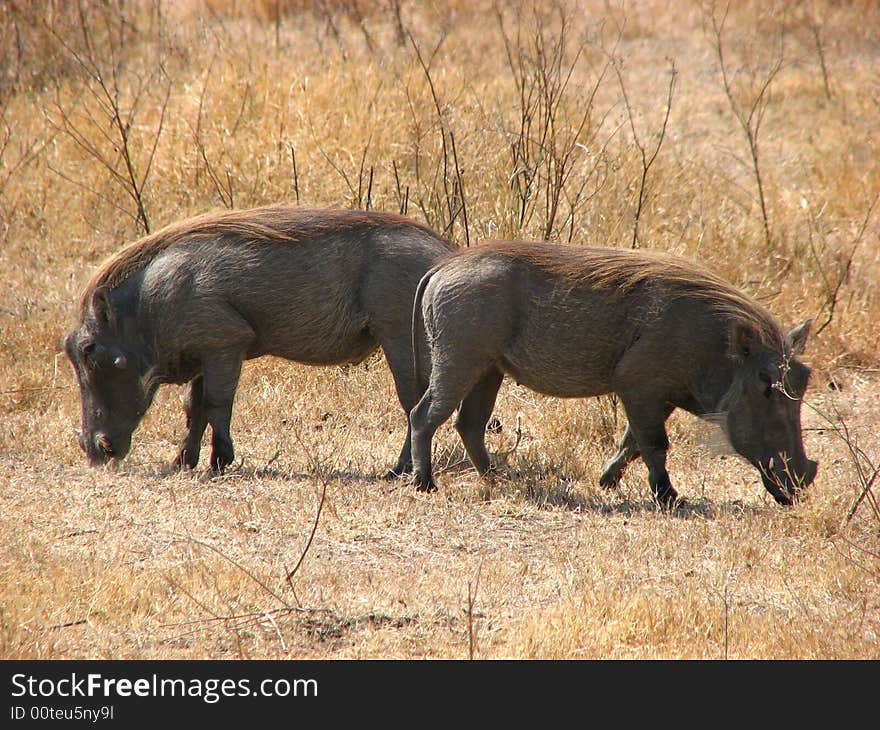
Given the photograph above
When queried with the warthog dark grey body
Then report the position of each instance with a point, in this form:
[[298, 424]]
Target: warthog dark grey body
[[660, 332], [189, 303]]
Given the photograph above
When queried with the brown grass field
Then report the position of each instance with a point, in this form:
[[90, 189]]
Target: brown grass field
[[532, 121]]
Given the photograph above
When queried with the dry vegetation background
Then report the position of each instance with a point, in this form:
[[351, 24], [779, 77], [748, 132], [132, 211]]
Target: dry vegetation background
[[744, 135]]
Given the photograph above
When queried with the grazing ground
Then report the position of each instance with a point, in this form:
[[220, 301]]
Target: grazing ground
[[740, 135]]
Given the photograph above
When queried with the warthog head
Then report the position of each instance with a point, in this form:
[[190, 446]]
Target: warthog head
[[111, 385], [762, 411]]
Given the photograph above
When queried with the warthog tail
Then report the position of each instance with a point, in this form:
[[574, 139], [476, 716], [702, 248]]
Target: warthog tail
[[418, 332]]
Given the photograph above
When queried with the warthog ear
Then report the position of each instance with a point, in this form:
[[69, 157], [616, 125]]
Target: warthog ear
[[741, 342], [797, 338], [101, 308]]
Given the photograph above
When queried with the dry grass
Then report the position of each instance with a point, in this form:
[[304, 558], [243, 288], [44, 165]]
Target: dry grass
[[136, 562]]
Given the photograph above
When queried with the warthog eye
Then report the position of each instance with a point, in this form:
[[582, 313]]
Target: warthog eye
[[88, 351]]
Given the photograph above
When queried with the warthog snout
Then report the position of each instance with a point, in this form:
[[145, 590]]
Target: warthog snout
[[100, 448], [784, 481]]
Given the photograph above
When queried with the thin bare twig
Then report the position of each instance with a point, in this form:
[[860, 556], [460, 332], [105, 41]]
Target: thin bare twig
[[112, 123], [238, 565], [518, 433], [450, 195], [867, 471], [247, 615], [820, 52], [360, 191], [750, 115], [460, 185], [646, 159], [295, 174], [271, 620], [36, 389], [292, 572], [546, 148], [68, 624], [402, 197], [472, 599], [844, 275]]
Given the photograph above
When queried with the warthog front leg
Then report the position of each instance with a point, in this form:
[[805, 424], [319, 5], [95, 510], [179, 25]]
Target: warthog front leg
[[473, 416], [658, 477], [196, 423], [627, 453], [647, 423]]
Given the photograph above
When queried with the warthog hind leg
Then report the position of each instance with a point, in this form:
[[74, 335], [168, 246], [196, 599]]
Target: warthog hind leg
[[447, 389], [473, 416], [627, 453], [399, 356], [425, 419]]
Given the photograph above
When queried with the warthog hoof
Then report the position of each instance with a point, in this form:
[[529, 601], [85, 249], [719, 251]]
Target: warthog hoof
[[610, 478], [220, 459], [397, 472], [424, 484], [184, 461], [666, 497]]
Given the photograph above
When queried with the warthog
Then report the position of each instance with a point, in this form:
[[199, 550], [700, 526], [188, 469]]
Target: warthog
[[659, 331], [189, 303]]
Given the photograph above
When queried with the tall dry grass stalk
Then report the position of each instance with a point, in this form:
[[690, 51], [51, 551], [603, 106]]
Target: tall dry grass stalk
[[533, 120]]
